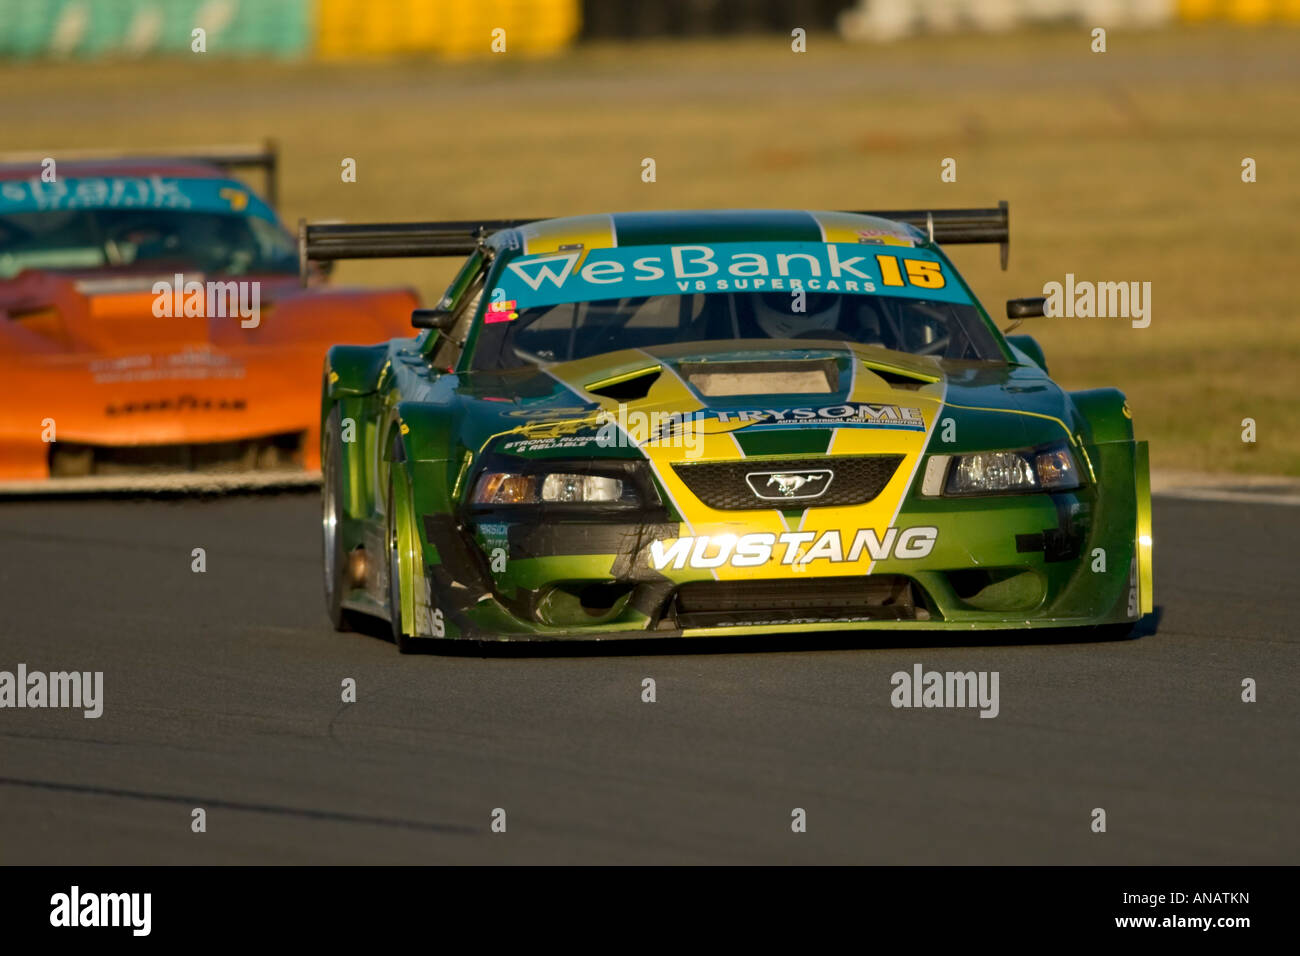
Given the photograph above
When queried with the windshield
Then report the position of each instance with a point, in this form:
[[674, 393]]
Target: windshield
[[223, 243], [555, 307], [558, 333]]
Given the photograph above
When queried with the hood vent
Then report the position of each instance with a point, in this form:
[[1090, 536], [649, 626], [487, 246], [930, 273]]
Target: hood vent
[[736, 379], [897, 378], [127, 285], [628, 387]]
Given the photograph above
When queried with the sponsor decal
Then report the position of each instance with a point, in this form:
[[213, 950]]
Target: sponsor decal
[[549, 413], [780, 485], [503, 311], [182, 403], [633, 271], [887, 237], [130, 192], [494, 535], [525, 446], [429, 619], [849, 414], [628, 428], [237, 198], [187, 364], [796, 548]]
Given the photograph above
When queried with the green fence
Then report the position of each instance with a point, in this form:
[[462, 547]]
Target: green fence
[[126, 28]]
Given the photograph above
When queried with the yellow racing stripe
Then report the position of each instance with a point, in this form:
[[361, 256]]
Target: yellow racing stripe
[[847, 227], [587, 232]]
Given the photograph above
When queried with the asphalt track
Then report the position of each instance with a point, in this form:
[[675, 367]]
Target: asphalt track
[[223, 691]]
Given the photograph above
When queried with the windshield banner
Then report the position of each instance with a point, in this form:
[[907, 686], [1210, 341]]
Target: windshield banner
[[131, 192], [641, 271]]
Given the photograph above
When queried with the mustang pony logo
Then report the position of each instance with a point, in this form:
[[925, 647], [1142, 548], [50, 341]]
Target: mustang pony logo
[[789, 484]]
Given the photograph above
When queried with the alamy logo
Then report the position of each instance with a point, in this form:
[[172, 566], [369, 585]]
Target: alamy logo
[[215, 300], [74, 908], [73, 689], [946, 689], [1103, 300], [634, 428]]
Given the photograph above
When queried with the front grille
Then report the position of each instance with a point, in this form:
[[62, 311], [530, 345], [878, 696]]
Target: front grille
[[876, 597], [854, 480], [271, 453]]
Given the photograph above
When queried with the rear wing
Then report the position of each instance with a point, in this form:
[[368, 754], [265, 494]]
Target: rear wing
[[264, 157], [959, 226], [328, 241]]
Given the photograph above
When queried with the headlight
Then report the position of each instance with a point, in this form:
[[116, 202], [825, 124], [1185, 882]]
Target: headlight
[[1056, 469], [507, 488], [1047, 469]]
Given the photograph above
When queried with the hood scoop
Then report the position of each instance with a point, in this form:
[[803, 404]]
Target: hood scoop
[[735, 379]]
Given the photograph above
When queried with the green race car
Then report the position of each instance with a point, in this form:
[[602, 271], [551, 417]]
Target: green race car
[[703, 423]]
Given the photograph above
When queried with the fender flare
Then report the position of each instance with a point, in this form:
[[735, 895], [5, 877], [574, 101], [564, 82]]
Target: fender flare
[[1106, 412]]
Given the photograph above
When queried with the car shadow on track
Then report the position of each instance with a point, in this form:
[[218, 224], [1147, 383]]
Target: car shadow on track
[[776, 643], [210, 802]]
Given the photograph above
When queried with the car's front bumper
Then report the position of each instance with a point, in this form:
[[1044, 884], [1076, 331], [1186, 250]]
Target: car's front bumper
[[1080, 558]]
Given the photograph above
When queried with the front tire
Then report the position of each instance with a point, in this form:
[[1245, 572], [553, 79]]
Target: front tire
[[333, 558], [405, 643]]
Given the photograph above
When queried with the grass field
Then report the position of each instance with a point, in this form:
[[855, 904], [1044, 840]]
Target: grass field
[[1118, 166]]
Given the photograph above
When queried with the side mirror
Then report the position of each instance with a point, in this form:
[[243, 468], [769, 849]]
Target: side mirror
[[1027, 308], [440, 319]]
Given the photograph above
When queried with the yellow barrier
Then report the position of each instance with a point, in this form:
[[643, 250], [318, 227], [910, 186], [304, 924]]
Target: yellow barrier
[[454, 29], [1240, 11]]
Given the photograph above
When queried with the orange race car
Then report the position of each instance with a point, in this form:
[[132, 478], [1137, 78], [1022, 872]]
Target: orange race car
[[153, 329]]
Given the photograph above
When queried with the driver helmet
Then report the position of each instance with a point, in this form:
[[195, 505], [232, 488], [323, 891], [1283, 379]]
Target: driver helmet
[[774, 312]]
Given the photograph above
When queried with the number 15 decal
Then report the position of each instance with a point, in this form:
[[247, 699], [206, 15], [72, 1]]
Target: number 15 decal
[[921, 273]]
